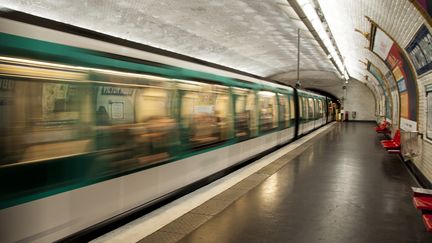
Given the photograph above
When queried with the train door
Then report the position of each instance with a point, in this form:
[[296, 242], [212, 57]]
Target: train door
[[44, 116], [323, 112], [319, 108], [291, 110], [284, 118], [284, 115], [245, 113], [306, 115], [206, 114], [316, 114], [310, 114], [302, 114], [268, 111]]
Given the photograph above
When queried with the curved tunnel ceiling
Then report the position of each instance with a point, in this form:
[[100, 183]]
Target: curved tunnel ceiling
[[258, 37], [399, 18], [255, 36]]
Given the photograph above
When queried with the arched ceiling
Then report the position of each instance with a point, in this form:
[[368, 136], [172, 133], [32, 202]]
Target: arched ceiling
[[399, 18], [255, 36]]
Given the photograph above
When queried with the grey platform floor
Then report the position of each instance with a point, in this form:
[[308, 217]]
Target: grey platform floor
[[339, 187]]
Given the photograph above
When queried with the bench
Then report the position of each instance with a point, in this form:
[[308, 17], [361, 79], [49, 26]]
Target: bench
[[422, 200], [383, 127], [427, 220], [423, 203], [393, 143]]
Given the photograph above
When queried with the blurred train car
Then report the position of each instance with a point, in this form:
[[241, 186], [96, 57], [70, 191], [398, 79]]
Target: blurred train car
[[92, 130]]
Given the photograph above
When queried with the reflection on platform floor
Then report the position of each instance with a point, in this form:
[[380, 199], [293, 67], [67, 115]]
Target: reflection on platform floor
[[344, 188]]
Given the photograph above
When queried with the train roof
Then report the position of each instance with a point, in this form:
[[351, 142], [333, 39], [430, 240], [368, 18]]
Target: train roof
[[52, 38], [310, 93]]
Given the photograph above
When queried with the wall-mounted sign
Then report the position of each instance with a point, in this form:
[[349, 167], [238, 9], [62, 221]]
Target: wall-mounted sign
[[420, 50], [395, 59], [117, 110], [111, 90]]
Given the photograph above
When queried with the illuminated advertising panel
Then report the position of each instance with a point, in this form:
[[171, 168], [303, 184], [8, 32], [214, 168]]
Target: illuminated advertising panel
[[395, 59]]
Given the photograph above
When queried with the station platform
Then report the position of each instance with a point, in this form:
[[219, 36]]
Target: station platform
[[337, 185]]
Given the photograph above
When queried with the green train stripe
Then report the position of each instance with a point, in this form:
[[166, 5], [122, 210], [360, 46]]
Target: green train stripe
[[62, 175], [23, 47]]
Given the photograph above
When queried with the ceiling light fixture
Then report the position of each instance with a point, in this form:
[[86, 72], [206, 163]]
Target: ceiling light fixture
[[312, 16]]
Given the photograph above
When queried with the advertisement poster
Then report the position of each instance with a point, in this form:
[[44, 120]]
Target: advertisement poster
[[115, 105], [397, 62], [384, 87], [420, 50], [117, 110]]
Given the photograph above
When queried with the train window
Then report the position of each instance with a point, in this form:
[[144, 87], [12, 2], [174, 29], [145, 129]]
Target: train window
[[320, 109], [245, 113], [135, 121], [251, 107], [315, 102], [54, 121], [292, 110], [311, 109], [304, 106], [284, 111], [300, 104], [114, 105], [301, 110], [155, 132], [268, 113], [206, 114]]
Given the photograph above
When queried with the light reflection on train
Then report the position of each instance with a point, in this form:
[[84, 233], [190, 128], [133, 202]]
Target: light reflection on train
[[134, 125], [75, 135], [118, 126]]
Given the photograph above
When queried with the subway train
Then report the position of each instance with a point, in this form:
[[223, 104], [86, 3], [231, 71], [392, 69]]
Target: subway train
[[94, 127]]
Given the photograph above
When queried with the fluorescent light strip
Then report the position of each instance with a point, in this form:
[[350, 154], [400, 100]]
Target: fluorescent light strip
[[313, 18], [78, 68], [266, 93]]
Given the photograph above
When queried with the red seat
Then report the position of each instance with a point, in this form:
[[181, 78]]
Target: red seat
[[392, 146], [423, 200], [382, 127], [393, 143], [389, 142], [423, 203], [421, 192], [396, 138], [427, 219]]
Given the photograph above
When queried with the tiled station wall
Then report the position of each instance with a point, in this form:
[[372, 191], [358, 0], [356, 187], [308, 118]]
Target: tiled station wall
[[424, 161], [410, 25], [359, 98]]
